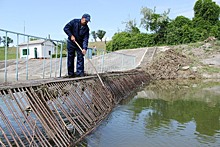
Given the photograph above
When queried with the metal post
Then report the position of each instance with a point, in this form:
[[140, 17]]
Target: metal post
[[27, 58], [51, 60], [96, 64], [56, 47], [6, 53], [17, 52], [44, 48], [86, 66], [61, 51], [102, 65]]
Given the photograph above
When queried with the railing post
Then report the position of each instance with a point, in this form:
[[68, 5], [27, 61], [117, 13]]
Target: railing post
[[56, 47], [6, 54], [102, 64], [51, 59], [43, 50], [17, 52], [61, 51], [27, 58]]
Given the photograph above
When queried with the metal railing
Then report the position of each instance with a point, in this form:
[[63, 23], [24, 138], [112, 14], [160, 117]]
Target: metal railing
[[58, 45], [16, 67], [109, 62]]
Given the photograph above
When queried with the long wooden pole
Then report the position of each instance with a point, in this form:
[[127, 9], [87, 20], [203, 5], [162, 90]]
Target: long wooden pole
[[92, 65]]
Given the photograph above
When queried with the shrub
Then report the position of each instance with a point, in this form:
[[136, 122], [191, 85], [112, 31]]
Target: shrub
[[58, 55]]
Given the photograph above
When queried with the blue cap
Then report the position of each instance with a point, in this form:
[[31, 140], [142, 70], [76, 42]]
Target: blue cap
[[86, 16]]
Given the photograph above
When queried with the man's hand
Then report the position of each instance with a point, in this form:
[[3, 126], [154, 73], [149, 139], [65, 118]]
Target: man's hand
[[83, 51], [73, 38]]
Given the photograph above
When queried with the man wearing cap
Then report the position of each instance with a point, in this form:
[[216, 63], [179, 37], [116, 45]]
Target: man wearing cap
[[77, 30]]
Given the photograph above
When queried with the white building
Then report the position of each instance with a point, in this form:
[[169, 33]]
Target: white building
[[37, 49]]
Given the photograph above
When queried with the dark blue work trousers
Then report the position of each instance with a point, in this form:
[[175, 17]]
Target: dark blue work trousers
[[71, 49]]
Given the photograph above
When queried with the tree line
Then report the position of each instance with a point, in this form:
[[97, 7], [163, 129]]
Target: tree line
[[161, 30], [164, 31]]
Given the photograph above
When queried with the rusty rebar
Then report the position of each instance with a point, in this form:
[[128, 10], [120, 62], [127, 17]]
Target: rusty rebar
[[45, 113]]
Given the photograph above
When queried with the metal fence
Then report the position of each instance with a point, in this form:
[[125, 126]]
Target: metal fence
[[17, 63], [109, 61], [29, 62]]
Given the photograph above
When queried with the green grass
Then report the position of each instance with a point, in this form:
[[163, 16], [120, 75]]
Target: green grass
[[195, 45], [11, 53], [98, 44], [210, 69]]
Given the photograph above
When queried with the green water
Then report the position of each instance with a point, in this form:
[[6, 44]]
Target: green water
[[164, 114]]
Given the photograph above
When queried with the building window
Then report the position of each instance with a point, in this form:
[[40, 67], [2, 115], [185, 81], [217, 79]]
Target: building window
[[49, 52], [25, 51]]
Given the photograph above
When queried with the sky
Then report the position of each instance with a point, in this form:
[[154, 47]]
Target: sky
[[48, 17]]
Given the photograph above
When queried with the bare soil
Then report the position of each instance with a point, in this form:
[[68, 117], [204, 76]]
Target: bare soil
[[170, 65], [201, 60]]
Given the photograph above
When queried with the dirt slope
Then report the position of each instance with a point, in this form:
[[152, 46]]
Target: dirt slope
[[170, 65], [200, 60]]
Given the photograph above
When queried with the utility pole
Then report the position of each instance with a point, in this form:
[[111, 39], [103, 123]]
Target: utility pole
[[24, 31]]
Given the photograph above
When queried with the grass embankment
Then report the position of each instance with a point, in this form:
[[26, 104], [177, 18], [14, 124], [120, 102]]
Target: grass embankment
[[98, 44], [11, 53]]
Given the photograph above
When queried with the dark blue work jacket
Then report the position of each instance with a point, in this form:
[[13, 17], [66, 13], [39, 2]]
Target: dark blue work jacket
[[81, 33]]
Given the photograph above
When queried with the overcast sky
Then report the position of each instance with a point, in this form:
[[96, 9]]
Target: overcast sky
[[43, 17]]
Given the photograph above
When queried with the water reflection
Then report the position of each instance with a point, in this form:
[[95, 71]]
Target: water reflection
[[183, 102], [165, 113]]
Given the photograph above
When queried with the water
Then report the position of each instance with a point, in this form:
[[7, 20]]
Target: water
[[165, 113]]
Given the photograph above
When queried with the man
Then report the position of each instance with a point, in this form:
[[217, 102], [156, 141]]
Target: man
[[77, 31]]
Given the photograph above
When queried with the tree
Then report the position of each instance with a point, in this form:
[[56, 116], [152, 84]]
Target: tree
[[0, 40], [127, 40], [215, 31], [156, 23], [94, 35], [32, 39], [9, 40], [179, 31], [152, 21], [206, 19], [100, 34], [131, 26], [180, 21], [207, 10]]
